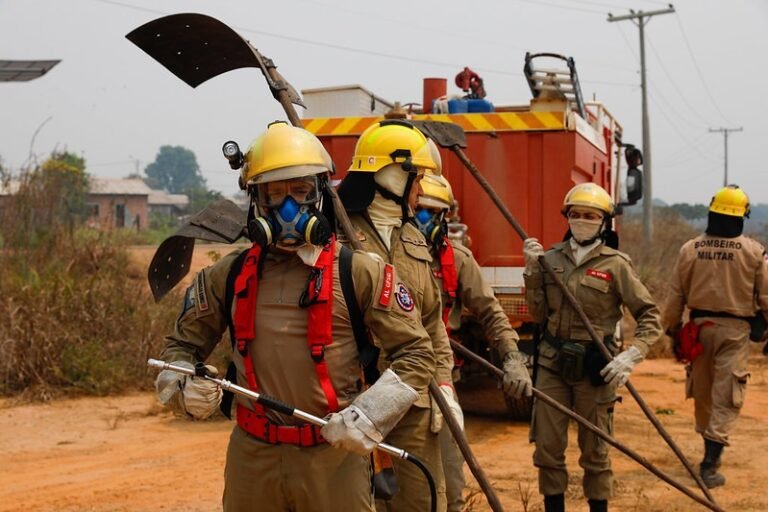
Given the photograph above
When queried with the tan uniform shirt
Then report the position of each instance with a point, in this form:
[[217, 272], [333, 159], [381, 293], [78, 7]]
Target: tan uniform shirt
[[410, 255], [603, 281], [727, 275], [281, 358], [476, 295]]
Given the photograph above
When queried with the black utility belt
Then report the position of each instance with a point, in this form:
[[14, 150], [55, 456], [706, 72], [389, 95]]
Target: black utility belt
[[758, 325], [579, 359], [559, 342]]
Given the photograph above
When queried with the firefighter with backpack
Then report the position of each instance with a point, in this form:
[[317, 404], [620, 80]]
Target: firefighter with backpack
[[285, 302], [463, 287], [380, 192], [721, 276]]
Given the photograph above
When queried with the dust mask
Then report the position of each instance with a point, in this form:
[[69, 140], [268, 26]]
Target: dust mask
[[584, 230]]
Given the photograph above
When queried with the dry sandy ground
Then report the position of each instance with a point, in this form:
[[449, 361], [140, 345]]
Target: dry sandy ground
[[124, 453]]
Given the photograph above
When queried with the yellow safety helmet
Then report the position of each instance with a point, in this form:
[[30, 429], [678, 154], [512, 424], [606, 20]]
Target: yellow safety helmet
[[436, 192], [730, 200], [284, 152], [434, 152], [591, 195], [391, 141]]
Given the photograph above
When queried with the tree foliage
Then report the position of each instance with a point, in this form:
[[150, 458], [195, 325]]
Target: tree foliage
[[691, 211], [200, 197], [50, 199], [175, 169]]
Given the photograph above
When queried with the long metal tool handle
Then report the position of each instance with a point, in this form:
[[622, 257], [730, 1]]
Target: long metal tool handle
[[466, 451], [582, 315], [266, 400], [465, 352]]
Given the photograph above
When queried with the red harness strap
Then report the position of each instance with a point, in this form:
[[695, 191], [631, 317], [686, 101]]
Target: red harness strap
[[319, 334], [450, 280]]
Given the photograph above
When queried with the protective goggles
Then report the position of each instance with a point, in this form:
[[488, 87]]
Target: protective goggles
[[304, 191]]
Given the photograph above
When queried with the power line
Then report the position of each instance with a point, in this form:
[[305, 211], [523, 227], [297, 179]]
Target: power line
[[698, 70], [450, 65], [560, 6], [434, 28], [674, 84], [671, 123]]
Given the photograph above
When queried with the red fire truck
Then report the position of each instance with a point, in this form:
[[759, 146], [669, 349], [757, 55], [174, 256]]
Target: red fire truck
[[532, 154]]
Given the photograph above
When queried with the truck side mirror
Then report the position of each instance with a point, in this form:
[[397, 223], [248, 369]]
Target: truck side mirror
[[633, 156], [634, 185]]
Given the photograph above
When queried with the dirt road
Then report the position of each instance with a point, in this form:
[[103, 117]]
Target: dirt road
[[126, 454]]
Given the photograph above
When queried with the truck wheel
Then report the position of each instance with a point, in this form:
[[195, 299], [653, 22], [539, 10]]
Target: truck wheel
[[519, 409]]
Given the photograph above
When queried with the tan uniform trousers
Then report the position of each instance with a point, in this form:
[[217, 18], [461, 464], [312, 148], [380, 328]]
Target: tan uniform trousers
[[549, 430], [453, 464], [262, 477], [717, 379], [413, 435]]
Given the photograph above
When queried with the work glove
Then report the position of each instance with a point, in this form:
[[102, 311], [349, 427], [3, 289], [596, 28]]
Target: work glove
[[371, 416], [617, 371], [194, 396], [436, 420], [517, 381], [532, 249]]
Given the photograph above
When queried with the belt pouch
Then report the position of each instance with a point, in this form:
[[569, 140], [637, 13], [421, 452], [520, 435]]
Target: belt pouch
[[572, 360]]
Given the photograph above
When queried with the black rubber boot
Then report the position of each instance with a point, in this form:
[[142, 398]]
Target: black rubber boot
[[554, 503], [708, 468], [598, 505]]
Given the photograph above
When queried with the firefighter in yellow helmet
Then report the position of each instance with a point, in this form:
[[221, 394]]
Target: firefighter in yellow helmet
[[380, 192], [721, 276], [286, 306], [570, 367], [463, 287]]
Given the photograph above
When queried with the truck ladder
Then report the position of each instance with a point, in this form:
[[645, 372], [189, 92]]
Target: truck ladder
[[558, 83]]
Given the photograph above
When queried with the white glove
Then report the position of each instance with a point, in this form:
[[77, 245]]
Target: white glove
[[532, 249], [617, 371], [371, 416], [194, 396], [517, 380], [436, 421]]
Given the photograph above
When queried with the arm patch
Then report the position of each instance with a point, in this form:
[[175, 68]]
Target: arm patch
[[201, 295]]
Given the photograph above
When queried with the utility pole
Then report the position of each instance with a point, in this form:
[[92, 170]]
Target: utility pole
[[641, 19], [725, 132]]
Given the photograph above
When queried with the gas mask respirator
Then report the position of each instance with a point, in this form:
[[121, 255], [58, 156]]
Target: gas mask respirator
[[431, 225], [290, 224]]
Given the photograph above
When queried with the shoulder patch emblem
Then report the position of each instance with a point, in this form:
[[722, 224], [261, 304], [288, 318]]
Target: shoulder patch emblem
[[189, 300], [202, 298], [386, 288], [605, 276], [403, 296]]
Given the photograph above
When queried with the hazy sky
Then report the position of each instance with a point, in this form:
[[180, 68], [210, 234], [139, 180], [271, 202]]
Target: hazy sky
[[112, 104]]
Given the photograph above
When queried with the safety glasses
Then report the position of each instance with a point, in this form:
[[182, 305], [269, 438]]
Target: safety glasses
[[304, 190]]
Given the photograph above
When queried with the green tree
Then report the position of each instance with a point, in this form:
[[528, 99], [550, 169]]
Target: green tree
[[51, 200], [200, 197], [175, 169]]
